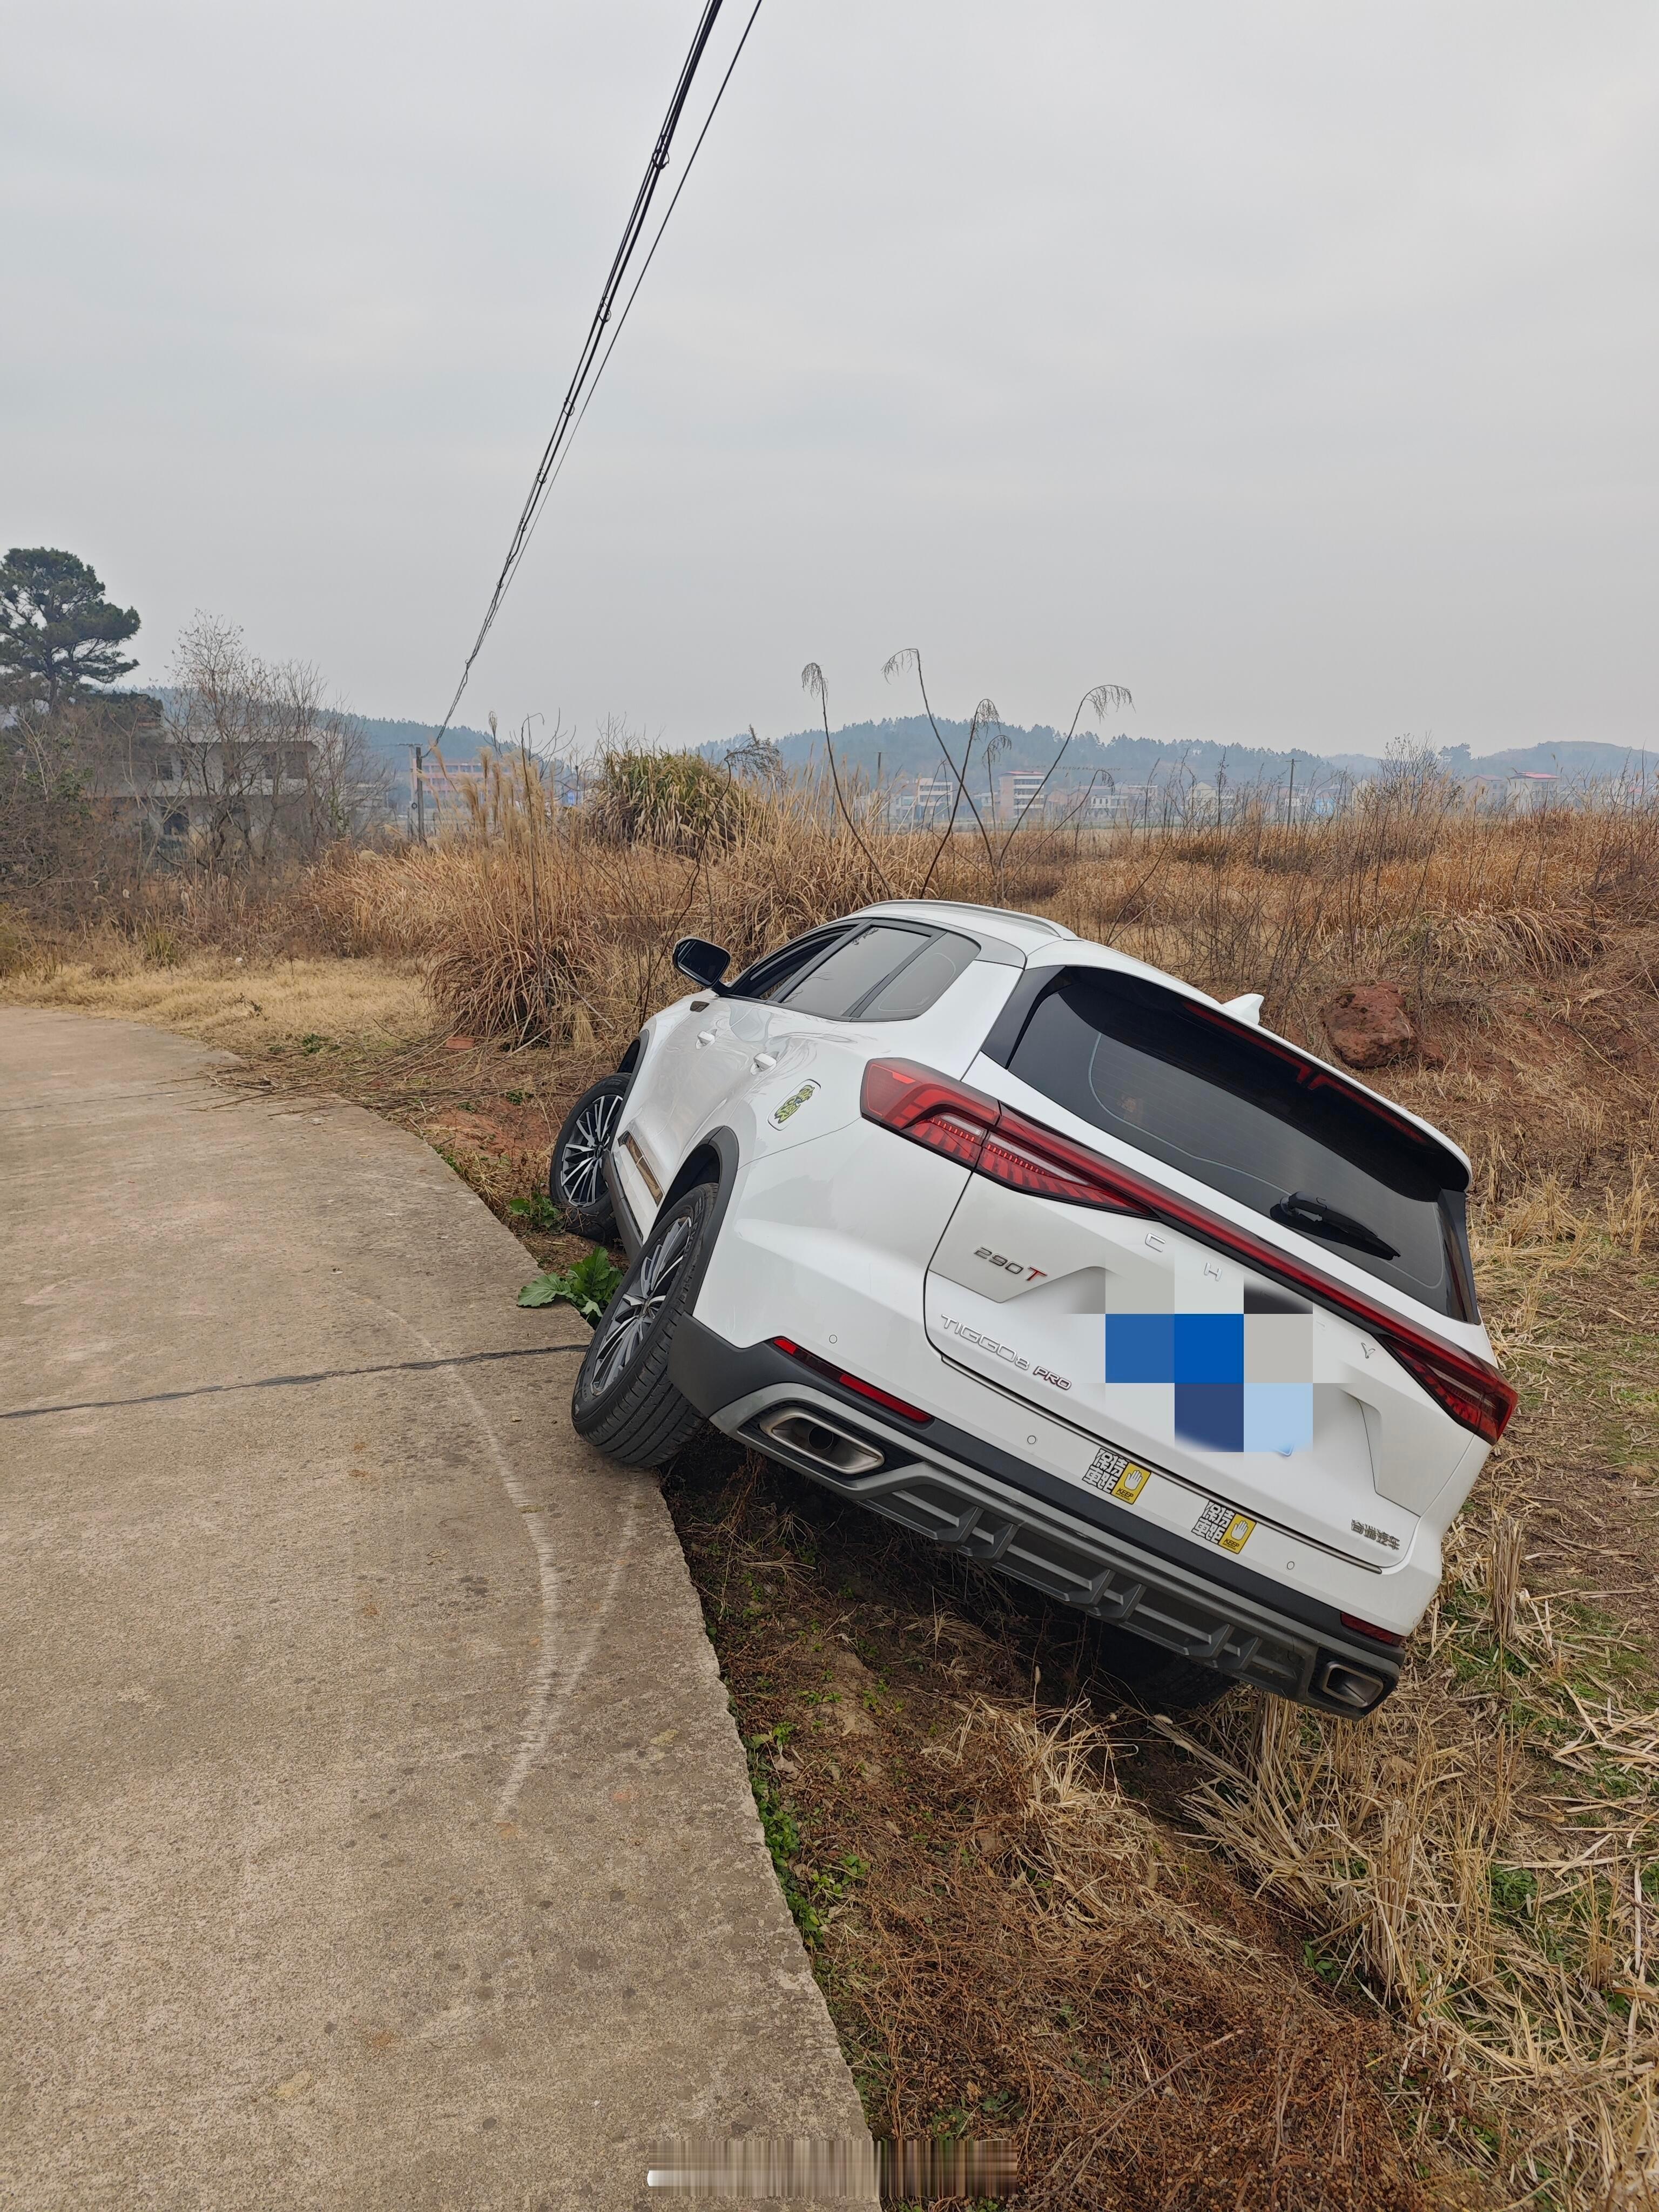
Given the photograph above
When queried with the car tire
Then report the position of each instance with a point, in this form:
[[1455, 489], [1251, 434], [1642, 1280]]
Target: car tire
[[624, 1401], [575, 1173]]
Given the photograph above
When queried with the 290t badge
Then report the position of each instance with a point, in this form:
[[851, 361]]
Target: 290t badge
[[1012, 1267]]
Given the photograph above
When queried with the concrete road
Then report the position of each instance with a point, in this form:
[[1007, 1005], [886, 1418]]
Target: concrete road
[[375, 1829]]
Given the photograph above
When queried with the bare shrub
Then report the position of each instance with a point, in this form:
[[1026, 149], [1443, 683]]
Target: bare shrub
[[17, 946], [269, 771]]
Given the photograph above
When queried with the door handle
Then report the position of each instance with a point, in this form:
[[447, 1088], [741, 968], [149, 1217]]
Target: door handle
[[705, 1036], [762, 1060]]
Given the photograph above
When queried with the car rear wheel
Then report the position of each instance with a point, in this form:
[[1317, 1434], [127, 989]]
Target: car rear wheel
[[576, 1175], [623, 1401]]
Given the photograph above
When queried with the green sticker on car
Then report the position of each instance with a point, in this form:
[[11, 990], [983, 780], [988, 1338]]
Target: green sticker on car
[[792, 1105]]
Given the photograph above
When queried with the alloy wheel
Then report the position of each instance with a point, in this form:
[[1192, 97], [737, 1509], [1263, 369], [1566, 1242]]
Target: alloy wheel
[[630, 1320], [581, 1160]]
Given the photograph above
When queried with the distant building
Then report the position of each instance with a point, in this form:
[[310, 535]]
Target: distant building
[[171, 789], [1018, 792], [935, 797]]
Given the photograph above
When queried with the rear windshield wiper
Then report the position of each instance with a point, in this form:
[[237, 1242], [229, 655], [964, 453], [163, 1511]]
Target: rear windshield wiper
[[1315, 1218]]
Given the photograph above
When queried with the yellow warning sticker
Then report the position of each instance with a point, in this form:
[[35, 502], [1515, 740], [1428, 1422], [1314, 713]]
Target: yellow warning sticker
[[1132, 1480], [1219, 1524]]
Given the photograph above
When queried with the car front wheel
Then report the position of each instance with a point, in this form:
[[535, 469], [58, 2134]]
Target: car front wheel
[[576, 1175], [623, 1401]]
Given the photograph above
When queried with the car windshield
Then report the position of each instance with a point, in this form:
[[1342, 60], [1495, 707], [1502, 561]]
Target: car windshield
[[1183, 1082]]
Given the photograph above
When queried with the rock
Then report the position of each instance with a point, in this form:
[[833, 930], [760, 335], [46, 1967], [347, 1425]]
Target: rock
[[1368, 1026]]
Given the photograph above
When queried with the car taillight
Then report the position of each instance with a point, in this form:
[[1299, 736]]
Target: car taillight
[[1369, 1628], [871, 1390], [992, 1140], [928, 1108], [982, 1133], [1475, 1395]]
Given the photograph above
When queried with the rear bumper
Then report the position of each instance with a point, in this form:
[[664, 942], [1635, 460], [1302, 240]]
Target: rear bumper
[[961, 1494]]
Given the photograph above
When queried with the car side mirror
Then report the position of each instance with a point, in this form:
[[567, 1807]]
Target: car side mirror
[[703, 962]]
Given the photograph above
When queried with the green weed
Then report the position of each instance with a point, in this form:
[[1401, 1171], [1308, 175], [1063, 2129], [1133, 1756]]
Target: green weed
[[1513, 1888], [537, 1212], [589, 1286]]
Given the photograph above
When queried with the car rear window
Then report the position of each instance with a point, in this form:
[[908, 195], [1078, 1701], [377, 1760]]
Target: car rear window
[[1186, 1085]]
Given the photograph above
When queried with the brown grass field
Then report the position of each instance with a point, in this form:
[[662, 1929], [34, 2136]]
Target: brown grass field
[[1257, 1960]]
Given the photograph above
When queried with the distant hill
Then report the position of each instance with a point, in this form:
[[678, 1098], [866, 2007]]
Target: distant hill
[[392, 738], [1578, 761], [391, 741], [905, 746]]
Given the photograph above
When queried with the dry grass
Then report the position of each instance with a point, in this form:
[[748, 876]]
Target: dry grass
[[539, 924], [253, 1009], [1482, 1858], [1012, 1944]]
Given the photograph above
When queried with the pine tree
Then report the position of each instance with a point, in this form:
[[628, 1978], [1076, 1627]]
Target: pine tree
[[59, 634]]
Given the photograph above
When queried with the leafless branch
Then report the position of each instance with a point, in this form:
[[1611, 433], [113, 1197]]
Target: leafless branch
[[909, 657], [811, 680], [1103, 699]]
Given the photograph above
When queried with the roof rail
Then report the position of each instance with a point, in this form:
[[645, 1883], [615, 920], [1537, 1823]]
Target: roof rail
[[1007, 912]]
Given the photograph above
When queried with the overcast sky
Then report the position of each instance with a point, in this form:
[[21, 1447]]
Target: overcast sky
[[1292, 364]]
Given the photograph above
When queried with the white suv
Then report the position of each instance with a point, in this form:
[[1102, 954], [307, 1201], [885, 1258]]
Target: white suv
[[1059, 1261]]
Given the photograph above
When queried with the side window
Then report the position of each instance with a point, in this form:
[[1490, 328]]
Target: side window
[[881, 973], [920, 980], [855, 969], [771, 977]]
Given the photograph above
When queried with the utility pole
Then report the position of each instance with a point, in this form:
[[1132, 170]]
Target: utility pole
[[1290, 802], [420, 796]]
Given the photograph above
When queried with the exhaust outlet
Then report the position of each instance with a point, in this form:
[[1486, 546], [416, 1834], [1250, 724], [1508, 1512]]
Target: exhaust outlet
[[1355, 1687], [815, 1439]]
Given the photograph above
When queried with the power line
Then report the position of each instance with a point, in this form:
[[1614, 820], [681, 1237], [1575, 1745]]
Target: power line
[[628, 305], [591, 364]]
